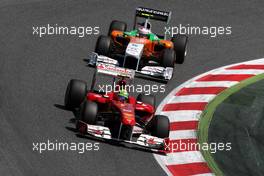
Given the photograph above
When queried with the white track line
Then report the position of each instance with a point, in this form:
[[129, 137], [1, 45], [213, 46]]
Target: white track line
[[207, 174], [182, 158], [177, 116], [183, 134], [192, 98], [238, 72], [253, 62], [212, 84]]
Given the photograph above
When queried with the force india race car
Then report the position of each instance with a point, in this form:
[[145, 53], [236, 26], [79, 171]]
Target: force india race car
[[105, 115], [140, 49]]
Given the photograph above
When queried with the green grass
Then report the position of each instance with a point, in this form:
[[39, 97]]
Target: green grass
[[207, 116]]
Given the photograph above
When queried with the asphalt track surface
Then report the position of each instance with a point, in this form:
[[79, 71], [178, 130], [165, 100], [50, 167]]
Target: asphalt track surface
[[34, 73], [239, 120]]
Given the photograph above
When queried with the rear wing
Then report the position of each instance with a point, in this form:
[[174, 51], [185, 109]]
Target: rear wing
[[113, 70], [153, 14]]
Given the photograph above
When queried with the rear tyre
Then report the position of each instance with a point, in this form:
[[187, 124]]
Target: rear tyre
[[168, 59], [103, 45], [160, 126], [88, 112], [148, 99], [75, 93], [180, 47], [117, 25]]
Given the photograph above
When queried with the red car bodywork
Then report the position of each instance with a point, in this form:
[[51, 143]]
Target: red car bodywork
[[128, 111]]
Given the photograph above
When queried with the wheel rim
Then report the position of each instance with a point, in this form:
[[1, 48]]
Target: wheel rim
[[185, 53]]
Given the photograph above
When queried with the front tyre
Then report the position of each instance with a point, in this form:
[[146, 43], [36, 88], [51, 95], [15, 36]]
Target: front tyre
[[103, 45], [75, 93], [88, 112], [160, 126], [117, 25], [180, 47], [168, 59]]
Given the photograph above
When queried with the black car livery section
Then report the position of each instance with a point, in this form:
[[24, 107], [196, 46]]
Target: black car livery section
[[153, 14]]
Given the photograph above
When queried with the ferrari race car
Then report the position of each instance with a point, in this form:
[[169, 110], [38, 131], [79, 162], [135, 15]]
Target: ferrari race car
[[141, 49], [115, 115]]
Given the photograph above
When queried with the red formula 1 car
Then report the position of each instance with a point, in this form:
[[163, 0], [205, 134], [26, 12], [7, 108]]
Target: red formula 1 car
[[115, 115]]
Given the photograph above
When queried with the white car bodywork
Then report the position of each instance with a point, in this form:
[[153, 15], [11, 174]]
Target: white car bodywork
[[136, 51]]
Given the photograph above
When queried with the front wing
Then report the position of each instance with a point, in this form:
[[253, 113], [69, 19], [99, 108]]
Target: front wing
[[152, 143], [156, 73]]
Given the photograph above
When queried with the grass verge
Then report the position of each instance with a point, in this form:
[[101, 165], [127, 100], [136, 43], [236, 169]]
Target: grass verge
[[207, 116]]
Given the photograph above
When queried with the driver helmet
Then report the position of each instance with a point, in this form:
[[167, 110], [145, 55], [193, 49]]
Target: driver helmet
[[123, 95], [144, 29]]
